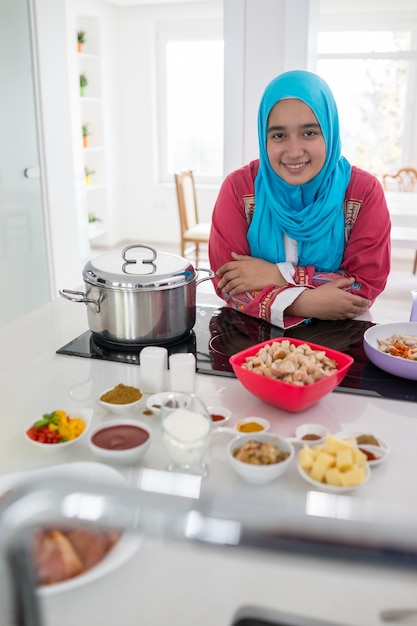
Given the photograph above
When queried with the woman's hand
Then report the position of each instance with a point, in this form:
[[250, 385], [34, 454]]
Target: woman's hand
[[247, 273], [329, 302]]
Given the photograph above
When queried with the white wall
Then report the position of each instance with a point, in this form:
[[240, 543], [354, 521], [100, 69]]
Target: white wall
[[148, 207], [264, 38]]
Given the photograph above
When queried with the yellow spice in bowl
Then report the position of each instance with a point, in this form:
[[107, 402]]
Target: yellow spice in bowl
[[250, 427]]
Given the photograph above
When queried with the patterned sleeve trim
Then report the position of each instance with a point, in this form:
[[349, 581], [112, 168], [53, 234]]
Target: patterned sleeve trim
[[301, 276], [259, 301]]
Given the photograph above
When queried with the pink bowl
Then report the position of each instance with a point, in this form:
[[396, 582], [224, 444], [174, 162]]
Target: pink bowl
[[292, 398]]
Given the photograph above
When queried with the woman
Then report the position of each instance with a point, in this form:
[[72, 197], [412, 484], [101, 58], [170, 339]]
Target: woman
[[300, 233]]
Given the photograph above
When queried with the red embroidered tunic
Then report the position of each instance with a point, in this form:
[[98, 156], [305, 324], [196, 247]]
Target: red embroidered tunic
[[367, 254]]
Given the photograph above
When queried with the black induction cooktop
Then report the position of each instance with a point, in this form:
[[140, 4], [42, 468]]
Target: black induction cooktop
[[220, 332]]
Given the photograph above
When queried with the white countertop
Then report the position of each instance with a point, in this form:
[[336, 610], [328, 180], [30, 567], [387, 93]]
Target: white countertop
[[186, 583]]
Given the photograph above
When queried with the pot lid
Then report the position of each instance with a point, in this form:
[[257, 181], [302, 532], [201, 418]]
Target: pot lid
[[139, 267]]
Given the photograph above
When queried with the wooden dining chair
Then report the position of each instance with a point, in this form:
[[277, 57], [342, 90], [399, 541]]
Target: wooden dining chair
[[193, 232], [403, 180]]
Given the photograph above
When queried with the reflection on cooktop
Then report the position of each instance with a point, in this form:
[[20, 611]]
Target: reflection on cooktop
[[220, 332], [89, 346]]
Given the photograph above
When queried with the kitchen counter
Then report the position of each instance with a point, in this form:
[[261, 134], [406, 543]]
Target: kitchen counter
[[184, 583]]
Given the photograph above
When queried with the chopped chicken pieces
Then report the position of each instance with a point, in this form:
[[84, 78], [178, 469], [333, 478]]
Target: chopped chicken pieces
[[299, 365], [403, 346]]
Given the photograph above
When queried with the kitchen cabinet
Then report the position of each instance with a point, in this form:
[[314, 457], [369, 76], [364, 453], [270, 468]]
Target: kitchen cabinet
[[92, 125]]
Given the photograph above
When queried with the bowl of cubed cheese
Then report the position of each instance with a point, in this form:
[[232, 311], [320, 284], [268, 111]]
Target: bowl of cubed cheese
[[336, 466]]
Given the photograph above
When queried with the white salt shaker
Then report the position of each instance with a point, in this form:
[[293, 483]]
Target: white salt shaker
[[153, 369], [182, 368]]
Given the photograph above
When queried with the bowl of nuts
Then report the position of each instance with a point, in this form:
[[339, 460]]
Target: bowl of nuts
[[289, 373], [259, 458]]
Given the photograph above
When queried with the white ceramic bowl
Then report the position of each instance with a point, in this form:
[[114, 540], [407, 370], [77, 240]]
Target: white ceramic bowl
[[391, 364], [260, 421], [118, 409], [85, 414], [381, 451], [376, 455], [308, 456], [310, 434], [260, 474], [118, 434], [222, 415]]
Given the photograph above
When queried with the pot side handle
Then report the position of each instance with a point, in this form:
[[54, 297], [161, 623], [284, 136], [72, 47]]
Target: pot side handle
[[80, 297], [209, 277]]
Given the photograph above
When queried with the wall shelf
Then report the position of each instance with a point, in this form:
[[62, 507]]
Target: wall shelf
[[89, 63]]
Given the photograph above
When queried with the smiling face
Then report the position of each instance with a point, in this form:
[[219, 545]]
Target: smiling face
[[295, 143]]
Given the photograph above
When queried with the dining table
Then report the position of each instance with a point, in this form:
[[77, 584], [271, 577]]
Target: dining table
[[301, 557], [402, 206]]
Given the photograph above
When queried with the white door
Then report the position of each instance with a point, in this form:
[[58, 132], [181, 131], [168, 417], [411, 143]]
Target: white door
[[23, 253]]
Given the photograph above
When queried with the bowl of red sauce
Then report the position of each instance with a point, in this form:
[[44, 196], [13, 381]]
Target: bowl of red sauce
[[123, 441]]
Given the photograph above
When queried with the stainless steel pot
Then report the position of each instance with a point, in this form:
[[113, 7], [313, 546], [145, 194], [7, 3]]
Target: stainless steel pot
[[139, 296]]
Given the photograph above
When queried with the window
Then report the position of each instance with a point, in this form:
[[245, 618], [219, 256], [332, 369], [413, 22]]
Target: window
[[190, 86], [372, 74]]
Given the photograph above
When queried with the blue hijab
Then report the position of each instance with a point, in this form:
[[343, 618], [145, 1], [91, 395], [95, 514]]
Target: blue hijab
[[311, 213]]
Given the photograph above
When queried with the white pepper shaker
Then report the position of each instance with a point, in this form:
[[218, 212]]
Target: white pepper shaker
[[153, 369], [182, 368]]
